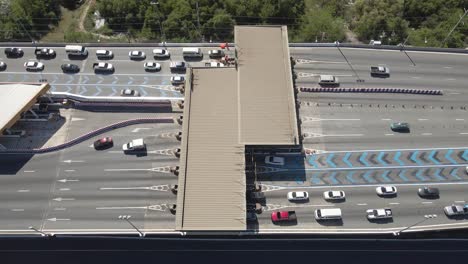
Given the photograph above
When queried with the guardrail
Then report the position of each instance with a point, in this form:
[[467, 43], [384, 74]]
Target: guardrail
[[369, 90], [89, 135]]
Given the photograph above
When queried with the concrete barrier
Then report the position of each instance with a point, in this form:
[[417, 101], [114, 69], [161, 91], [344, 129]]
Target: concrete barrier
[[370, 90]]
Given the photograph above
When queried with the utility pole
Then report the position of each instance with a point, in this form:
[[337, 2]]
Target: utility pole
[[163, 36], [355, 72], [127, 218], [454, 27], [403, 49]]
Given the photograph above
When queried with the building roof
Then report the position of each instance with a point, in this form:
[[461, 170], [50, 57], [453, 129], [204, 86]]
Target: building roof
[[268, 109], [16, 99], [212, 189]]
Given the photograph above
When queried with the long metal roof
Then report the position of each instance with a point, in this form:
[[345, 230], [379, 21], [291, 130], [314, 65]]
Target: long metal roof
[[15, 98]]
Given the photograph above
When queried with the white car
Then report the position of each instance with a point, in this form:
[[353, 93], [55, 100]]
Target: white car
[[298, 196], [334, 195], [177, 79], [328, 80], [386, 190], [161, 53], [103, 66], [382, 213], [104, 54], [454, 210], [129, 92], [216, 53], [152, 66], [274, 160], [136, 54], [34, 66], [214, 64]]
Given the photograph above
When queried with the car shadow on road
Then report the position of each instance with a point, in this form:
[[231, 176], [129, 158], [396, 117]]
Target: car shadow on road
[[381, 221], [331, 222]]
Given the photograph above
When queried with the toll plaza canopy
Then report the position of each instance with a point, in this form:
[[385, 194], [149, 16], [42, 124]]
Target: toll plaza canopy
[[16, 99], [226, 109]]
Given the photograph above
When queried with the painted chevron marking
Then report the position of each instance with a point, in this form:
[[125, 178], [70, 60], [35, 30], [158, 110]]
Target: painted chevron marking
[[116, 79], [316, 179], [143, 91], [146, 80], [98, 91], [423, 157], [431, 157], [330, 160], [397, 158], [346, 160], [414, 158], [113, 91], [385, 176], [380, 158], [368, 177], [311, 161], [420, 176], [454, 174], [362, 159], [299, 180], [332, 178], [449, 158], [402, 175], [465, 155], [349, 176], [437, 175], [371, 159]]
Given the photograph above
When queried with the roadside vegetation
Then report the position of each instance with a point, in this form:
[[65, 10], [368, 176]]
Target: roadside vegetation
[[419, 23]]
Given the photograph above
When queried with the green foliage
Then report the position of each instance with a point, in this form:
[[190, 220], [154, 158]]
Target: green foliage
[[79, 37], [319, 25]]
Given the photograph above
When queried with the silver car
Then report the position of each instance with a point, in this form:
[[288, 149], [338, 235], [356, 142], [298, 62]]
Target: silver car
[[454, 210], [386, 190], [334, 195], [136, 54], [152, 66], [129, 92]]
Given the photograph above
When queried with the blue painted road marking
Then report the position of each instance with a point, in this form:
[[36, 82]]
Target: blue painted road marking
[[98, 91], [332, 178], [349, 176], [346, 160], [449, 158], [86, 79], [116, 79], [402, 175], [143, 91], [397, 158], [437, 175], [419, 175], [329, 160], [113, 92], [414, 158], [380, 158], [362, 159], [312, 161], [83, 90], [454, 174], [385, 176], [367, 177], [315, 179], [465, 155], [431, 157]]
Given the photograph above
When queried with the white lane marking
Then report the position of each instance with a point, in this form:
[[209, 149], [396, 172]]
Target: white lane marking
[[89, 74], [66, 180], [17, 210], [454, 93], [460, 201], [64, 189], [426, 134], [389, 134], [59, 199], [377, 150], [370, 168], [459, 119], [136, 130], [69, 170], [394, 203], [60, 209], [386, 119], [422, 119], [450, 79], [415, 77], [426, 202], [23, 190], [463, 133], [362, 204], [58, 219], [372, 185], [72, 161], [314, 135], [447, 67], [28, 171], [328, 119], [77, 119]]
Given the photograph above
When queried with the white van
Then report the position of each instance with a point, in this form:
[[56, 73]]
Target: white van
[[192, 52], [328, 80], [328, 213], [76, 50]]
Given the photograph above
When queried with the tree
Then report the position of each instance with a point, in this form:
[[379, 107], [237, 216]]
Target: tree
[[320, 25]]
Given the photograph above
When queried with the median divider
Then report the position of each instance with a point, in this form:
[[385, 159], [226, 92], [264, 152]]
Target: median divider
[[369, 90], [90, 135]]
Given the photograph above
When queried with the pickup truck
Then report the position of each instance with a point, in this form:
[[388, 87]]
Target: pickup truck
[[283, 216], [44, 52], [379, 71], [214, 64], [374, 214], [103, 67], [134, 145]]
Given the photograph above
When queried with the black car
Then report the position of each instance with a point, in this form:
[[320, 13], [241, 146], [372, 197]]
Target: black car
[[178, 66], [3, 66], [45, 53], [103, 143], [428, 192], [68, 67], [14, 52]]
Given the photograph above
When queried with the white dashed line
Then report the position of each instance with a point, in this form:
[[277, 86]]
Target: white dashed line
[[385, 119], [60, 209], [69, 170], [463, 133], [460, 201], [450, 79], [23, 191], [362, 204], [415, 77], [447, 67], [394, 203], [426, 134], [28, 171], [422, 119], [426, 202], [17, 210], [454, 93], [389, 134], [460, 119], [64, 189]]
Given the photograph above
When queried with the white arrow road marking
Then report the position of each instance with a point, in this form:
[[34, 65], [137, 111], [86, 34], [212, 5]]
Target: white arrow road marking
[[58, 219], [136, 130], [72, 161], [59, 199], [65, 180], [162, 188], [162, 207]]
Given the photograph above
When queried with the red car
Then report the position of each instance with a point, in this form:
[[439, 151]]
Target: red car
[[103, 143], [283, 216]]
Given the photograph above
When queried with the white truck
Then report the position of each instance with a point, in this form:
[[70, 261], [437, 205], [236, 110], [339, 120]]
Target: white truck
[[375, 214], [379, 71], [134, 145]]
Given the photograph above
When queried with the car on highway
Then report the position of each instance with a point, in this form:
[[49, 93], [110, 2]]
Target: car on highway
[[216, 53], [454, 210], [400, 127], [178, 66], [161, 54], [329, 80], [214, 64], [152, 66], [382, 213], [134, 145], [137, 55], [103, 67], [44, 53], [298, 196], [328, 214], [428, 192], [3, 66], [14, 52], [103, 143], [283, 216], [129, 93], [68, 67], [274, 160], [380, 71], [176, 80], [334, 195], [34, 66], [386, 190], [104, 54]]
